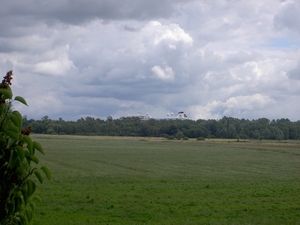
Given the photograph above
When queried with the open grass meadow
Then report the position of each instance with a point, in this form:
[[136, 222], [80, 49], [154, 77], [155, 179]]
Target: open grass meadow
[[123, 180]]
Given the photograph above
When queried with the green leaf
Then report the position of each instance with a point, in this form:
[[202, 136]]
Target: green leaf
[[14, 128], [7, 93], [13, 160], [18, 203], [39, 176], [21, 99], [11, 141], [2, 139], [21, 152], [10, 209], [37, 198], [20, 169], [28, 140], [23, 219], [38, 147], [25, 193], [32, 206], [33, 158], [47, 172], [29, 214], [2, 109], [12, 131], [16, 118], [31, 187]]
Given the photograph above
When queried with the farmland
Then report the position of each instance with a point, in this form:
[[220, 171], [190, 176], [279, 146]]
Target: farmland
[[122, 180]]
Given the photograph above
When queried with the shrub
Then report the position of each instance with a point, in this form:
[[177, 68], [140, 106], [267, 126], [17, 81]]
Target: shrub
[[18, 161], [201, 139], [165, 136]]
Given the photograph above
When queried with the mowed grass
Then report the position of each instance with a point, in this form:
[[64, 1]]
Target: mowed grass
[[115, 180]]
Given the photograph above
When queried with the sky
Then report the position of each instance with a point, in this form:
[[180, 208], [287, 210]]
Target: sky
[[98, 58]]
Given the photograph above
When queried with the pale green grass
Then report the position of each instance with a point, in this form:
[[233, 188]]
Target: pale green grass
[[113, 180]]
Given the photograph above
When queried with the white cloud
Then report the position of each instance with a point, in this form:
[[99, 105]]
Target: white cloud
[[285, 18], [207, 58], [171, 33], [165, 73], [55, 67], [235, 106], [58, 63]]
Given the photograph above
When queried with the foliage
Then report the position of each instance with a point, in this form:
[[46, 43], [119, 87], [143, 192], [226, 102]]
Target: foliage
[[18, 161], [227, 127], [201, 139]]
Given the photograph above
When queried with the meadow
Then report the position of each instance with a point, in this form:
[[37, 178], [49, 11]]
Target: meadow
[[124, 180]]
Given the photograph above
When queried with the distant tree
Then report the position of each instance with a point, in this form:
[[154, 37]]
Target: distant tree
[[243, 134], [179, 135], [261, 138], [231, 131], [276, 133], [256, 134], [145, 130], [222, 133], [172, 130], [227, 127], [263, 122], [212, 126], [293, 132]]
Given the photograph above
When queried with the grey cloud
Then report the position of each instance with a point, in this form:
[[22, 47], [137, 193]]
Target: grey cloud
[[106, 58], [295, 73], [78, 11], [242, 57], [128, 72], [9, 45], [287, 17], [126, 80], [130, 28], [6, 46]]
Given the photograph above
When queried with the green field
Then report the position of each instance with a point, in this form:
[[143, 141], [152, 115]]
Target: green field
[[114, 180]]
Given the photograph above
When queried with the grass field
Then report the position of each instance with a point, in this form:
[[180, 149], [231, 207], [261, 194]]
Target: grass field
[[114, 180]]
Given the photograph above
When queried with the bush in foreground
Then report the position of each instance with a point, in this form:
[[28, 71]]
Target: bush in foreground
[[18, 161]]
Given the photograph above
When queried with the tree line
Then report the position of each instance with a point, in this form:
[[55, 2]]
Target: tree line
[[227, 127]]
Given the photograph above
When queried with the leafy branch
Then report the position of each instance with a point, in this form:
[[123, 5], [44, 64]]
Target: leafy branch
[[18, 161]]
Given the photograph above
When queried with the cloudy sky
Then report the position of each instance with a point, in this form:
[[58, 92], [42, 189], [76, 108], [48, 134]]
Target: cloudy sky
[[100, 58]]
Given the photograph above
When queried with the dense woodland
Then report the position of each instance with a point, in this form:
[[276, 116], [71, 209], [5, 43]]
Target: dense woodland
[[227, 127]]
